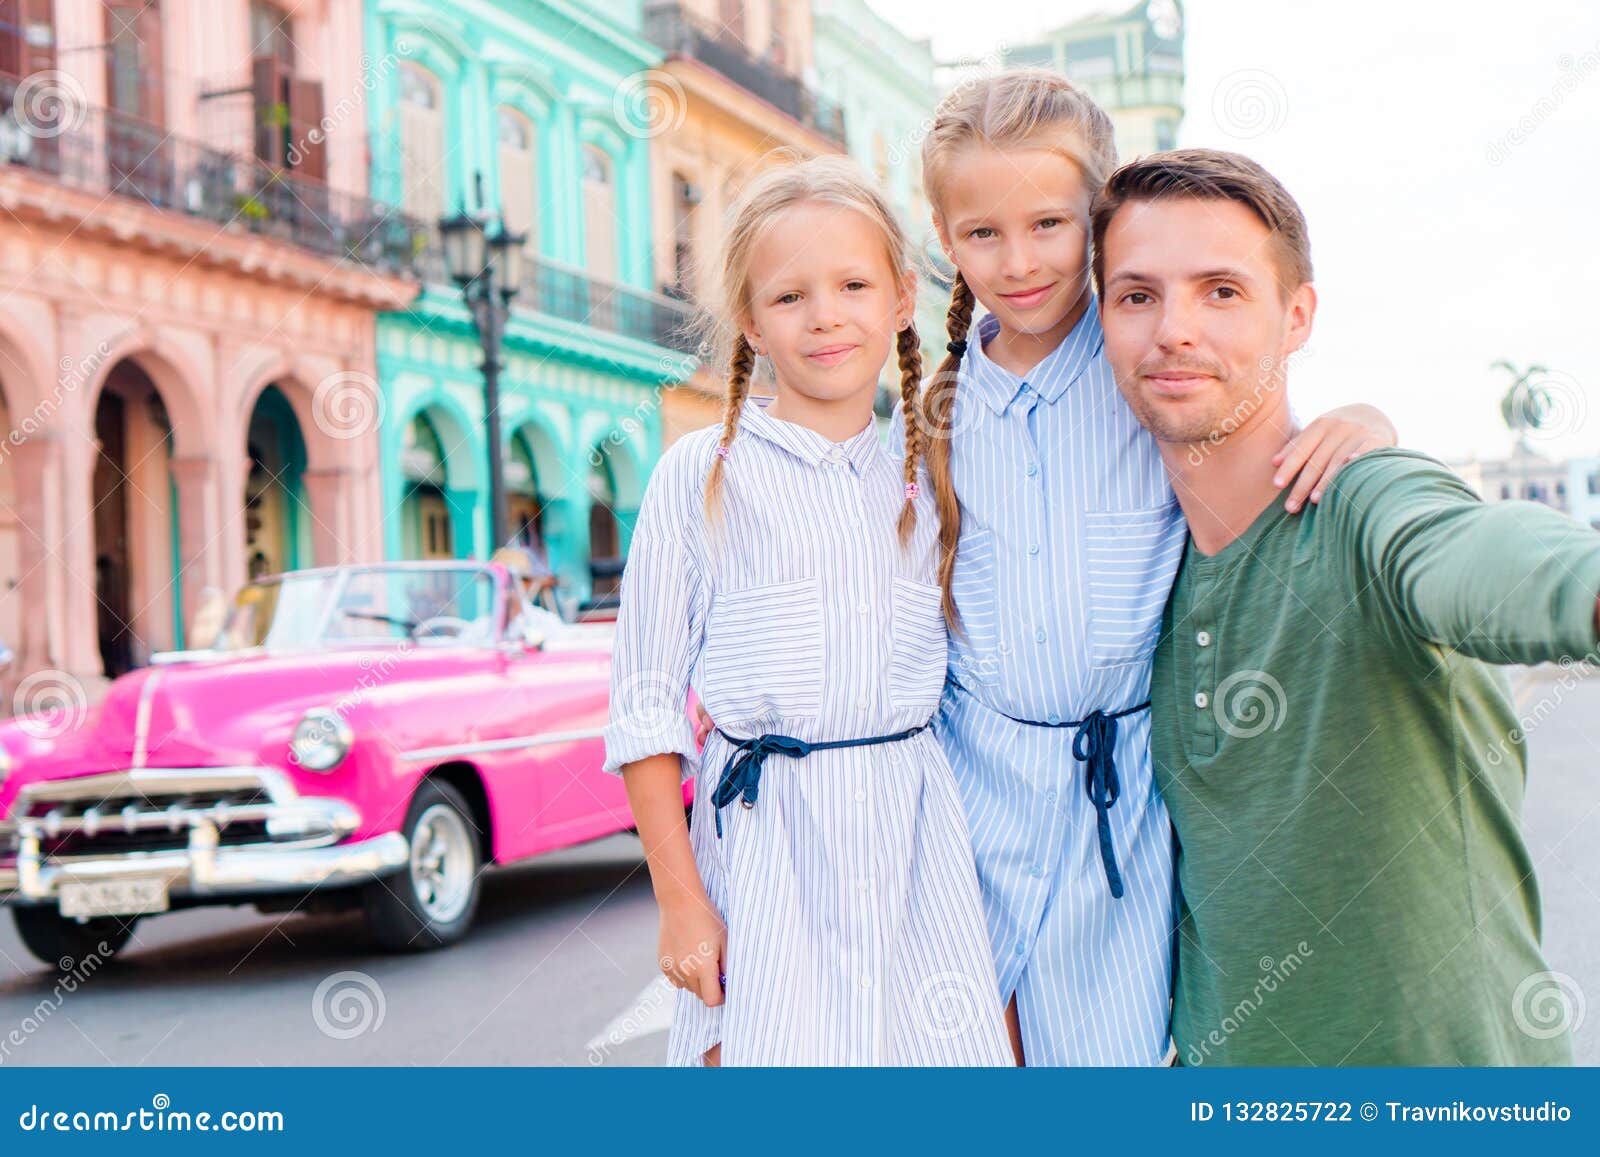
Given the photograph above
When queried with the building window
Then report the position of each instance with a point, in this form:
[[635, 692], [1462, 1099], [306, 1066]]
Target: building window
[[599, 214], [422, 143], [519, 179], [1505, 491]]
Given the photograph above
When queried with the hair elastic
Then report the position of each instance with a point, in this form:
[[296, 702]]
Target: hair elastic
[[957, 347], [722, 452], [912, 490]]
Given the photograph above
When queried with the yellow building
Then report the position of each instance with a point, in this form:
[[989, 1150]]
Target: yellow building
[[730, 92]]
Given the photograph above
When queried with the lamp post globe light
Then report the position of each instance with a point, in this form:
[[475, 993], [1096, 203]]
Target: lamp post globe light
[[488, 268]]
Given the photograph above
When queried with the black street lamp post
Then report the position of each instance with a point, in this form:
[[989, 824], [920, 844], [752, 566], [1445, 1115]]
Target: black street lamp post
[[488, 268]]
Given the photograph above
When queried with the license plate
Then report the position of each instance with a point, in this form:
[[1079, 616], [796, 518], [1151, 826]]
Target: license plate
[[113, 897]]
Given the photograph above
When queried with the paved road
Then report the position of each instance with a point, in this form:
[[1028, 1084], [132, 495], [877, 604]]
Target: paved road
[[560, 969]]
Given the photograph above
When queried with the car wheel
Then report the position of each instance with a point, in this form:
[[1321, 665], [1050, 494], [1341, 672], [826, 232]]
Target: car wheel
[[432, 900], [65, 943]]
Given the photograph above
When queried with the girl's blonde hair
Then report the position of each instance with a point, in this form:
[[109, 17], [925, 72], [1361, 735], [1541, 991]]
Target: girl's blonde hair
[[1020, 109], [831, 180]]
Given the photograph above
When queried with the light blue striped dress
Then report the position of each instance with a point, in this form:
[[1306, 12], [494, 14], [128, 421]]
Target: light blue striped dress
[[855, 927], [1070, 540]]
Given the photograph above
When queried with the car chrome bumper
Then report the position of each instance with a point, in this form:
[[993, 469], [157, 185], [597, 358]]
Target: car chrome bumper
[[306, 853]]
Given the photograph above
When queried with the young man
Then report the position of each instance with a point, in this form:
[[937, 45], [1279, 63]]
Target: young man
[[1340, 765]]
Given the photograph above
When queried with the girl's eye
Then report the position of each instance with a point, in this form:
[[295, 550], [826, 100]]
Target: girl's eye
[[1225, 292], [981, 232], [1137, 297], [1048, 222], [855, 285], [787, 298]]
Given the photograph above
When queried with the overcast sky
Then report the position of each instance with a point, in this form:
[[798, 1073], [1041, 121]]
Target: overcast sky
[[1442, 242]]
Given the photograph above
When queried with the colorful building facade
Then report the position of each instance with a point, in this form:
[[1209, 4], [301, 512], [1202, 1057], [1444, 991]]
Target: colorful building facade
[[1130, 62], [534, 112], [732, 90], [189, 274]]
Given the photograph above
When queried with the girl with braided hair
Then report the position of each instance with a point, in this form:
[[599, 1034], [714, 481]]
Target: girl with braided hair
[[822, 908]]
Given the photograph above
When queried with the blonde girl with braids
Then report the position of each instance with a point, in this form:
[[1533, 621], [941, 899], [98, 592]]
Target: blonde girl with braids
[[1060, 538], [821, 907]]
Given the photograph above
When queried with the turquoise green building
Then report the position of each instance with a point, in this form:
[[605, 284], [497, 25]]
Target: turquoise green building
[[537, 110]]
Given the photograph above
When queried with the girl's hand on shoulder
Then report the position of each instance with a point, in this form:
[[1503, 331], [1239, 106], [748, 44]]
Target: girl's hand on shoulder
[[1326, 446], [694, 943]]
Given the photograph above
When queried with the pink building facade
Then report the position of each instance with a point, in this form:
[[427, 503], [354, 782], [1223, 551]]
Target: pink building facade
[[189, 276]]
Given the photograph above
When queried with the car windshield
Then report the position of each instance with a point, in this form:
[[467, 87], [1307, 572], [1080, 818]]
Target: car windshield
[[375, 605]]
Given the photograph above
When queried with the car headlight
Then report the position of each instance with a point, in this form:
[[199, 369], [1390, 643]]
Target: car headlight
[[321, 740]]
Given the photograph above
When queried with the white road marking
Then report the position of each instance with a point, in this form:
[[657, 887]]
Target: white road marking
[[649, 1012]]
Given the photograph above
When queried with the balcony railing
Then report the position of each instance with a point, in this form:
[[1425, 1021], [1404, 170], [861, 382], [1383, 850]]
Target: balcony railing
[[678, 34], [571, 294], [102, 151]]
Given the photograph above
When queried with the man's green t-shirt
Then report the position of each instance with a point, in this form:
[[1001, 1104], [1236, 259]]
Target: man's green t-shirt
[[1345, 774]]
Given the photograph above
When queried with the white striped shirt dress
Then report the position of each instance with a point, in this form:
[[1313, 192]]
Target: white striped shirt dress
[[855, 926]]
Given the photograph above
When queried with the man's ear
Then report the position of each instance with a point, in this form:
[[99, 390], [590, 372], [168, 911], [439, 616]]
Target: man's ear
[[1302, 309]]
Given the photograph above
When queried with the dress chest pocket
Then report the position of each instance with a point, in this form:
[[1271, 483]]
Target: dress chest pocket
[[919, 646], [1130, 559], [975, 588], [764, 654]]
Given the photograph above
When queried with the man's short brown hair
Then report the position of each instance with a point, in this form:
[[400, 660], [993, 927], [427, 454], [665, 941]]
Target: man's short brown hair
[[1207, 175]]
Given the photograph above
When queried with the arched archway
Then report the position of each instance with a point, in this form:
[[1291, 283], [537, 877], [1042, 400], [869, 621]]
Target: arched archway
[[427, 528], [277, 527], [138, 581]]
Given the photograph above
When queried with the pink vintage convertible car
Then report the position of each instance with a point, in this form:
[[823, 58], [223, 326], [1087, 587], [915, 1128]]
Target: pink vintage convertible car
[[368, 736]]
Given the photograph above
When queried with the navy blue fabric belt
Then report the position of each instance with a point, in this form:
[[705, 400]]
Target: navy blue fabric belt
[[1094, 746], [742, 775]]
